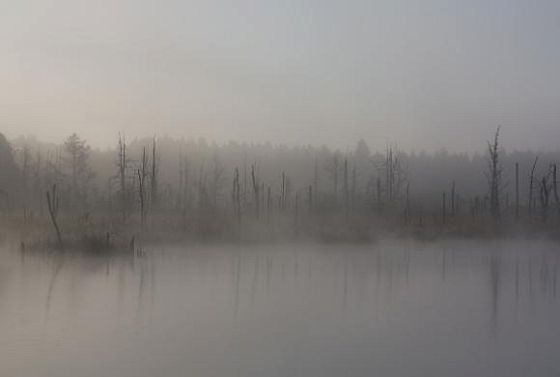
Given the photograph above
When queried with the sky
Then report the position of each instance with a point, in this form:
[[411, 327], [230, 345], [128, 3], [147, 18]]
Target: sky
[[425, 75]]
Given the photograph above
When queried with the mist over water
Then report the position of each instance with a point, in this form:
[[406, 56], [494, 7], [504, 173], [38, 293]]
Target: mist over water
[[395, 308], [279, 188]]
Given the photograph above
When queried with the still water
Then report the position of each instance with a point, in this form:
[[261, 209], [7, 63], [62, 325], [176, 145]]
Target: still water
[[455, 308]]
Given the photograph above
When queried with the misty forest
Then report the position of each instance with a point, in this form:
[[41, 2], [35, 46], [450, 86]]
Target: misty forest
[[279, 188], [145, 190]]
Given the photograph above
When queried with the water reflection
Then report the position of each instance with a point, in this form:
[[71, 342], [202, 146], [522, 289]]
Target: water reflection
[[242, 310], [333, 272]]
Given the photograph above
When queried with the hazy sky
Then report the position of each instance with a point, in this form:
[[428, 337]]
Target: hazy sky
[[425, 74]]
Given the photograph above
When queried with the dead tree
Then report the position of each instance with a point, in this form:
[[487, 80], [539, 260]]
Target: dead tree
[[494, 176], [217, 180], [142, 174], [346, 188], [335, 178], [53, 202], [202, 191], [288, 191], [122, 165], [154, 176], [256, 188], [555, 188], [531, 185], [395, 175], [268, 204], [262, 197], [283, 192], [443, 208], [544, 198], [353, 190], [453, 199], [389, 174], [25, 174], [517, 190], [244, 196], [38, 182], [296, 213], [236, 195], [310, 198]]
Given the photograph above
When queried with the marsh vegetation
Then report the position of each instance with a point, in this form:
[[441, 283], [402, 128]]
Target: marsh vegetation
[[149, 190]]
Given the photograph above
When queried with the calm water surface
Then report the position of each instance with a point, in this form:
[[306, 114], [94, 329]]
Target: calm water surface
[[392, 309]]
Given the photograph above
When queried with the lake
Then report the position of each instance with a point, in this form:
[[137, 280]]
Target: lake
[[394, 308]]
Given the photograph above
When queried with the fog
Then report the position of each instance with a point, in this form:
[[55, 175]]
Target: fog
[[279, 188], [182, 189], [393, 309], [427, 75]]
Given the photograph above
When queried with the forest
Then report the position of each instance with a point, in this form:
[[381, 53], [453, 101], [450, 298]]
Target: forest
[[69, 195]]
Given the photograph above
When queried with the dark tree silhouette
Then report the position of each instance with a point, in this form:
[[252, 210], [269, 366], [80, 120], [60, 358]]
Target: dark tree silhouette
[[53, 202], [494, 176]]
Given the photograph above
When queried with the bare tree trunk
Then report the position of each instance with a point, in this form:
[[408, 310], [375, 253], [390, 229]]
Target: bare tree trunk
[[244, 197], [517, 190], [141, 195], [216, 180], [391, 175], [495, 177], [296, 214], [262, 197], [335, 179], [236, 196], [353, 190], [268, 204], [186, 182], [453, 199], [555, 189], [255, 190], [388, 164], [283, 192], [122, 165], [154, 177], [346, 188], [25, 177], [310, 198], [544, 198], [53, 202], [531, 186], [142, 174], [443, 209], [288, 191]]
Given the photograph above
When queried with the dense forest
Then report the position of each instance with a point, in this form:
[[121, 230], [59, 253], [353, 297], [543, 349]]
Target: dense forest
[[147, 189]]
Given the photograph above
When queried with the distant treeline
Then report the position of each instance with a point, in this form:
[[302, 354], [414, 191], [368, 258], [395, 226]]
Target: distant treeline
[[148, 182]]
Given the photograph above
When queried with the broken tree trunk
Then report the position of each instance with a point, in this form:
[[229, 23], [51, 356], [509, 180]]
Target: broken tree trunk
[[555, 189], [142, 174], [53, 202], [517, 190], [443, 209], [256, 188], [544, 198], [531, 185]]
